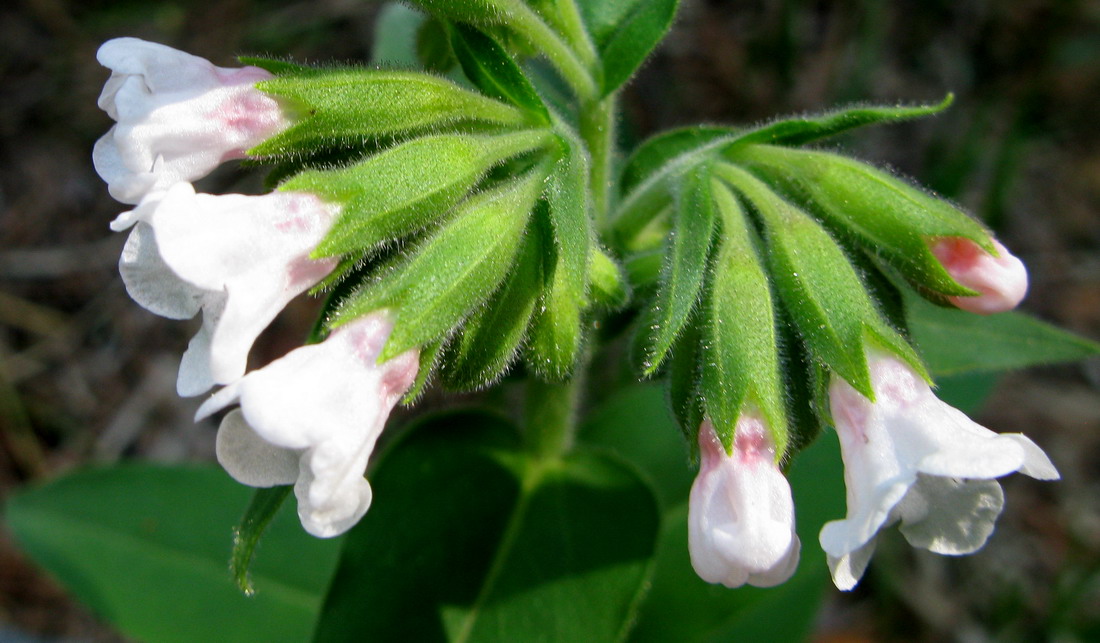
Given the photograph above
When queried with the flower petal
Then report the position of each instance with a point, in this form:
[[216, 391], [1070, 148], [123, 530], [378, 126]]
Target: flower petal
[[150, 282], [847, 569], [950, 516], [1001, 281], [250, 459]]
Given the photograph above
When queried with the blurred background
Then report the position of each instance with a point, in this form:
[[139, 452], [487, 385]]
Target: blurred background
[[87, 376]]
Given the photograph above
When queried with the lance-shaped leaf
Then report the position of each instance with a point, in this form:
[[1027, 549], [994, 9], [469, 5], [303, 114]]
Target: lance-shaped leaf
[[805, 129], [347, 105], [493, 71], [430, 356], [454, 270], [625, 33], [478, 12], [740, 354], [556, 333], [684, 270], [405, 188], [492, 336], [273, 65], [661, 149], [889, 217], [819, 287]]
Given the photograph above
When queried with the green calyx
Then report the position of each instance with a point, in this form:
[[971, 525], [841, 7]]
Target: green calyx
[[827, 300], [886, 216]]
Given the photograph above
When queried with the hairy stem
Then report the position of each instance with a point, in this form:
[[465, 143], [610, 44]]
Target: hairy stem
[[597, 124], [550, 414]]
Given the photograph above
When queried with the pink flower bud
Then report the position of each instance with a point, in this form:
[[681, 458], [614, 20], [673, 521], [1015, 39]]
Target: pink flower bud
[[178, 116], [1001, 280], [908, 456], [312, 417], [240, 259], [741, 516]]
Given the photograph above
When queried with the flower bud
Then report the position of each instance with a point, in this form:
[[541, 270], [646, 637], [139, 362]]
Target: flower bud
[[178, 117], [741, 516], [1001, 280]]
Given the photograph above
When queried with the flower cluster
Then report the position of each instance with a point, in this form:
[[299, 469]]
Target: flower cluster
[[310, 418], [908, 457]]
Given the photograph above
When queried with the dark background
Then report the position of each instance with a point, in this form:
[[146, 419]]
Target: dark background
[[88, 376]]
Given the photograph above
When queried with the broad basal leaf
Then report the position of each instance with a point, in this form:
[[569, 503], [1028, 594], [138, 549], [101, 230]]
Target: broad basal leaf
[[470, 540], [147, 548]]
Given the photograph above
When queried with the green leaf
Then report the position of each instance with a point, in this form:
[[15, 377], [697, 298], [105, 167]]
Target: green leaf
[[661, 149], [146, 548], [454, 270], [491, 338], [477, 12], [802, 130], [470, 540], [405, 188], [491, 69], [430, 356], [683, 383], [344, 106], [556, 335], [819, 287], [261, 510], [433, 47], [740, 352], [625, 33], [685, 267], [955, 342], [888, 217]]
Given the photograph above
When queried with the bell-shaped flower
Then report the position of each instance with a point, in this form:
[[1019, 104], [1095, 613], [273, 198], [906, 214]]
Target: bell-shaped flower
[[740, 515], [240, 259], [311, 418], [908, 456], [178, 117], [1001, 281]]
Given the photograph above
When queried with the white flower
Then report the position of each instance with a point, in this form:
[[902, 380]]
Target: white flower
[[312, 417], [908, 456], [741, 516], [1001, 280], [240, 259], [178, 115]]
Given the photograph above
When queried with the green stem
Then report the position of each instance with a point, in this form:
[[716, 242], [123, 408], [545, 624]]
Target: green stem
[[597, 124], [550, 414], [561, 55]]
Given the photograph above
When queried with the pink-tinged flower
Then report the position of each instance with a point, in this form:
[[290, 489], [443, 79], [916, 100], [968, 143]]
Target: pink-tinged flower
[[311, 419], [178, 116], [240, 259], [908, 456], [741, 516], [1001, 281]]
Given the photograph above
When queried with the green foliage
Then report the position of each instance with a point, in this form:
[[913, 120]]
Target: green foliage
[[685, 268], [954, 342], [343, 106], [625, 33], [740, 360], [818, 285], [802, 130], [608, 286], [492, 70], [660, 150], [556, 336], [501, 547], [261, 510], [145, 547], [405, 188], [889, 218], [490, 340], [453, 271]]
